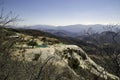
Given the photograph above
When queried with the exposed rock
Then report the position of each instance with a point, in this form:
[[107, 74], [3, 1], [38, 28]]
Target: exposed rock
[[71, 56]]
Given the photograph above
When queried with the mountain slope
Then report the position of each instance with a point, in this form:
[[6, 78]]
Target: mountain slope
[[51, 62]]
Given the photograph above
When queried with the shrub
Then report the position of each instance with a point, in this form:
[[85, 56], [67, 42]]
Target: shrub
[[32, 43], [73, 63], [36, 57]]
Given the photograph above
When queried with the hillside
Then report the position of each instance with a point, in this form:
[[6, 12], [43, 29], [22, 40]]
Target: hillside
[[63, 39], [37, 55]]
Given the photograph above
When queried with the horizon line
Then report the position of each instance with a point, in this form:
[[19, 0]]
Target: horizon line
[[25, 25]]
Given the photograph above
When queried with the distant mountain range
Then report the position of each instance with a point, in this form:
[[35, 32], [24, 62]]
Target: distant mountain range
[[69, 30]]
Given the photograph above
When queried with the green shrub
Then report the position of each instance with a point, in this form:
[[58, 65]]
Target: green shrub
[[32, 43], [36, 57], [73, 63]]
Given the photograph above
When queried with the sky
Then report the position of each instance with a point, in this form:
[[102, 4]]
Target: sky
[[65, 12]]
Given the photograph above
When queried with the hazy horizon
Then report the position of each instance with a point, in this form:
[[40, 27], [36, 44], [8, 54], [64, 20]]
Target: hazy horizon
[[66, 25]]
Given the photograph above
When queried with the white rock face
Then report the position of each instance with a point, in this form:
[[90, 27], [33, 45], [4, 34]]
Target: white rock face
[[58, 51]]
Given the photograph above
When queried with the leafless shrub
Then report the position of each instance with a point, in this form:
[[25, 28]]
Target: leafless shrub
[[109, 50]]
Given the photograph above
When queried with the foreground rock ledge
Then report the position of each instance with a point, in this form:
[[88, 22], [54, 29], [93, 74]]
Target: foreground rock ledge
[[63, 53]]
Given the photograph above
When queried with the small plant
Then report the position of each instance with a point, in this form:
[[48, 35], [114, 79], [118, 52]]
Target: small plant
[[43, 39], [73, 63], [83, 55], [32, 43], [36, 57]]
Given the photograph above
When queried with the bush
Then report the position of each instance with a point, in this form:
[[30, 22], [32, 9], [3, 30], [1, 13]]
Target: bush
[[73, 63], [36, 57], [32, 43]]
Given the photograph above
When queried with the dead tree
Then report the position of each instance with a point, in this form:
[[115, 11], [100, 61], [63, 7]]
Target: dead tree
[[108, 50]]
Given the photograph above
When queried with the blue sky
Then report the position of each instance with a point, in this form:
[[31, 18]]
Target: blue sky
[[65, 12]]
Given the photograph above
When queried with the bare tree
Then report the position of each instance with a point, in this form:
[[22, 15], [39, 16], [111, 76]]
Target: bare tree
[[108, 47], [6, 44], [7, 18]]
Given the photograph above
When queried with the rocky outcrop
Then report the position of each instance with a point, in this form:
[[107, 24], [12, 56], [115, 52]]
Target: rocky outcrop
[[70, 56]]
